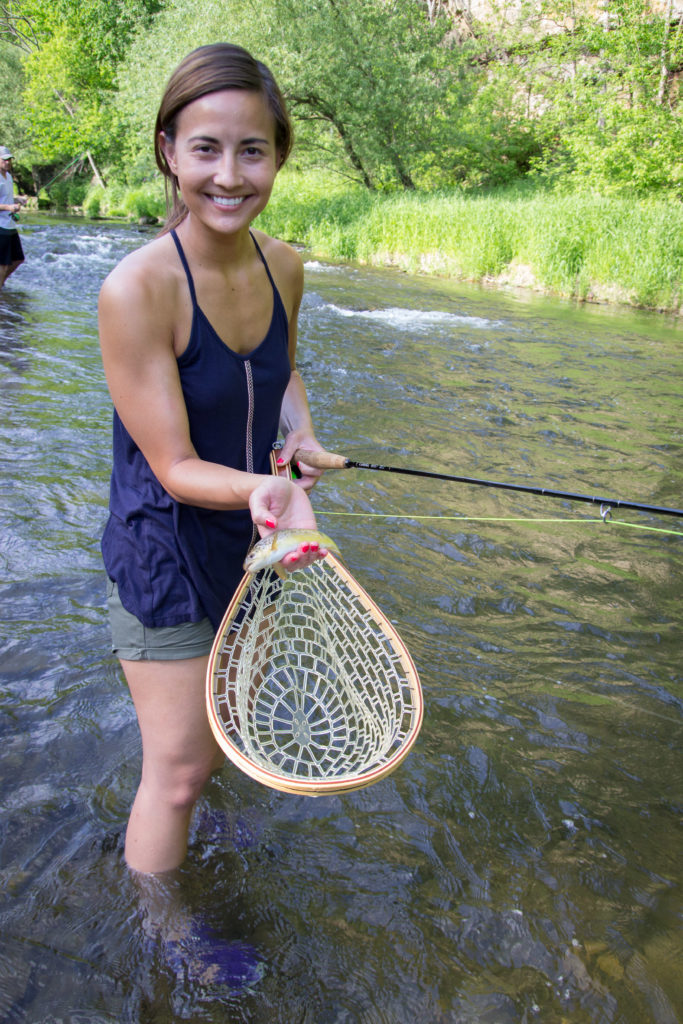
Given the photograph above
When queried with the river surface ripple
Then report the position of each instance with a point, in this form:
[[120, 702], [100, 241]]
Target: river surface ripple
[[523, 864]]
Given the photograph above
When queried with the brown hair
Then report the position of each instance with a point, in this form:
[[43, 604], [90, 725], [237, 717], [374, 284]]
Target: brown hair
[[211, 69]]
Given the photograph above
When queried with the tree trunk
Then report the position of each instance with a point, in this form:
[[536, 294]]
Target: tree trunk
[[98, 177], [664, 68]]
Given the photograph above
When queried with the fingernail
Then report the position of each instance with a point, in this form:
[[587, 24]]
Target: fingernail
[[280, 461], [305, 548], [314, 547], [270, 523]]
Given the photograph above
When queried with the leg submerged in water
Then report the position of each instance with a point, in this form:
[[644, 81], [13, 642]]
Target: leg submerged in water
[[179, 754], [7, 269], [185, 943]]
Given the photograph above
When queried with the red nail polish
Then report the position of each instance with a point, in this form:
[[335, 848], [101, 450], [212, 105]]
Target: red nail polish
[[314, 547], [305, 548], [280, 461], [270, 523]]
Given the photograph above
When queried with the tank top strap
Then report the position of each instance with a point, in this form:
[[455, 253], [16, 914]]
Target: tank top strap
[[263, 261], [183, 260]]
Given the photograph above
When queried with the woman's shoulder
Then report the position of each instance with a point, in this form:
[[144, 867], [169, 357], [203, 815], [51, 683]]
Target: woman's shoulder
[[286, 267], [148, 271]]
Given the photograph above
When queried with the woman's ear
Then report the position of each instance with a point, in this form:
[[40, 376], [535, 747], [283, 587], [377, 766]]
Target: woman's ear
[[168, 149]]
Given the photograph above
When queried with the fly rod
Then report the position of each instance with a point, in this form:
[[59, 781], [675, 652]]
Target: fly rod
[[330, 460]]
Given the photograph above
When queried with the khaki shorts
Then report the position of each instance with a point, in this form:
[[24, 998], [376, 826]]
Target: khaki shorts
[[134, 642]]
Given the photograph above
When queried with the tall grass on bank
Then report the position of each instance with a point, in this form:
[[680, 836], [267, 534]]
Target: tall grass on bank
[[146, 202], [578, 246]]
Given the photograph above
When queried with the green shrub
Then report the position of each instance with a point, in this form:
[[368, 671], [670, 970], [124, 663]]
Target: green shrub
[[92, 204], [145, 202]]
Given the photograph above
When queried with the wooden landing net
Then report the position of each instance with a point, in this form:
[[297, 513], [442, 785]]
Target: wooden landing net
[[309, 687]]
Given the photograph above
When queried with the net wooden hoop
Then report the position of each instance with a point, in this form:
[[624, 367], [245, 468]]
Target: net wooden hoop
[[310, 689]]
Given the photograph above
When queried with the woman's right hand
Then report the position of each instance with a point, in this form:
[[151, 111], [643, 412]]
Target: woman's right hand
[[279, 504]]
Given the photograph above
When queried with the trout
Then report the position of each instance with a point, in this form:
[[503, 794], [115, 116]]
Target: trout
[[272, 549]]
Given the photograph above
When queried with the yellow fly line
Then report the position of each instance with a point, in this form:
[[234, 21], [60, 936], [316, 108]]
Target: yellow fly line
[[524, 521]]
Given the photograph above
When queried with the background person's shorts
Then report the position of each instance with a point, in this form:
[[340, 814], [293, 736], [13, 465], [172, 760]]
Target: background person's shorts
[[10, 247], [134, 642]]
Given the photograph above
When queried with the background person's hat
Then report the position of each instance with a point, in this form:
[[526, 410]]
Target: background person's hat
[[5, 153]]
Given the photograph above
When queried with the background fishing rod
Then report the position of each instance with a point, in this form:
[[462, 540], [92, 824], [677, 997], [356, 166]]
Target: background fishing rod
[[331, 460]]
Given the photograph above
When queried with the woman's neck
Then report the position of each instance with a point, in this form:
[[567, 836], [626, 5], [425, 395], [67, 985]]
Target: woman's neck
[[213, 248]]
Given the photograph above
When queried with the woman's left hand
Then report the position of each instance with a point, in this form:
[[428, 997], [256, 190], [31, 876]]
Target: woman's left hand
[[293, 441]]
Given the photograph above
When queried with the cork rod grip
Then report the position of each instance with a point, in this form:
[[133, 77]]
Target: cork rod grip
[[320, 460]]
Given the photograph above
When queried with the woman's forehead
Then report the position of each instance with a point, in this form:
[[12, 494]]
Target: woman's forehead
[[227, 112]]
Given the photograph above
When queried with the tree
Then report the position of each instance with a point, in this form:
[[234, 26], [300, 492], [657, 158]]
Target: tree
[[605, 99], [12, 131], [375, 76], [71, 52]]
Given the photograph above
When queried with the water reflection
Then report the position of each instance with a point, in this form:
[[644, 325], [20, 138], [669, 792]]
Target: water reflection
[[523, 864]]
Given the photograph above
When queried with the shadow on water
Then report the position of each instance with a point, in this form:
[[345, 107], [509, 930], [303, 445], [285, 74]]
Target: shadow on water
[[524, 863]]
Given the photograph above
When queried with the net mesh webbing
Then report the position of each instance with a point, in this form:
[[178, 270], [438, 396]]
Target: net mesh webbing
[[311, 685]]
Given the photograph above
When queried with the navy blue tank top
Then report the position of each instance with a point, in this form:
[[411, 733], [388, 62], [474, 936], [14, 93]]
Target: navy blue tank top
[[177, 563]]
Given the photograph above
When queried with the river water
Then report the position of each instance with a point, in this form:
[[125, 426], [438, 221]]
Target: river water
[[524, 863]]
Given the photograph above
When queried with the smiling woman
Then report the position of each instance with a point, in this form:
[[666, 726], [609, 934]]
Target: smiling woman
[[198, 333]]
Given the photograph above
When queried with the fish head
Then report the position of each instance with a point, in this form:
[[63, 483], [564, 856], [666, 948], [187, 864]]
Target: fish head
[[260, 554]]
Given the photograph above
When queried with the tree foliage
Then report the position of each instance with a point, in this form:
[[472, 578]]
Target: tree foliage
[[71, 52], [395, 94], [12, 132], [606, 93]]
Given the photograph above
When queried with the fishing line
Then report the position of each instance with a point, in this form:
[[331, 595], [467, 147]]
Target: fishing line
[[610, 698], [332, 460], [498, 519]]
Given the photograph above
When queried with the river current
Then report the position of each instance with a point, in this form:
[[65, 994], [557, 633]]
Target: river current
[[524, 863]]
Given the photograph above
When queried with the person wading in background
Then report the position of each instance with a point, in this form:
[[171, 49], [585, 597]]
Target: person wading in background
[[11, 252]]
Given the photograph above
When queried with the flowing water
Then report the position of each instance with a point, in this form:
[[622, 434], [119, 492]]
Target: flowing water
[[524, 863]]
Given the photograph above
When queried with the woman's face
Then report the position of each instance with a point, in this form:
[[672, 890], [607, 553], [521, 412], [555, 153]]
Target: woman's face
[[224, 157]]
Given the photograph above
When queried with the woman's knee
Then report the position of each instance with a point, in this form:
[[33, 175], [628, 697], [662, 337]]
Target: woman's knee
[[178, 786]]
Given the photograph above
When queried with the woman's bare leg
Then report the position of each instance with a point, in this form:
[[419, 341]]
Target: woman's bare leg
[[178, 755]]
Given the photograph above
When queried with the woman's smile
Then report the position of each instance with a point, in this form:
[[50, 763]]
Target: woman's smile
[[229, 201]]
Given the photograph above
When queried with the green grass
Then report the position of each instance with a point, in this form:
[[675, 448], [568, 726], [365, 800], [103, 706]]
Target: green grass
[[580, 246], [145, 201]]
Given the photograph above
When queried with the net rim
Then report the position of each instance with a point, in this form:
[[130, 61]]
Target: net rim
[[290, 783]]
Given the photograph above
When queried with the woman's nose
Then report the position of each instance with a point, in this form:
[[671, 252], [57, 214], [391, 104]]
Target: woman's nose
[[228, 172]]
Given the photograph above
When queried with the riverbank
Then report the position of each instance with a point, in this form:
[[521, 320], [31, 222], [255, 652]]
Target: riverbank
[[584, 247]]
